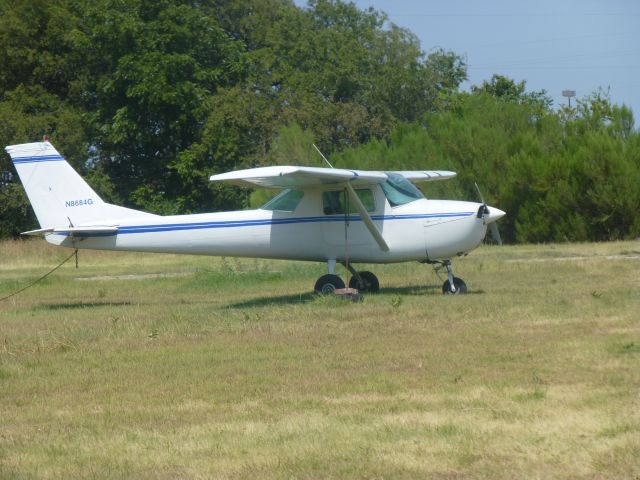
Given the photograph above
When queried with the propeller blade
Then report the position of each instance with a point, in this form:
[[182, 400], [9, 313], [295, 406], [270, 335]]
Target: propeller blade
[[495, 233]]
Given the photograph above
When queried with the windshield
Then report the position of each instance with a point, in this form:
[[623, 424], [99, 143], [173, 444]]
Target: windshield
[[399, 190], [286, 201]]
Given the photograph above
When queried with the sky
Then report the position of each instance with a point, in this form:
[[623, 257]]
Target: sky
[[554, 45]]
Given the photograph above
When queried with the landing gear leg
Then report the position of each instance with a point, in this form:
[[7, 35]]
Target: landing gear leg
[[453, 285], [331, 267]]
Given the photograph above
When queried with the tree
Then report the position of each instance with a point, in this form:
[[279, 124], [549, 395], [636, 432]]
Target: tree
[[153, 103], [508, 90]]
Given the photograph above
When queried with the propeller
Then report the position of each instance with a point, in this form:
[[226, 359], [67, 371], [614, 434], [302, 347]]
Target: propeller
[[495, 233]]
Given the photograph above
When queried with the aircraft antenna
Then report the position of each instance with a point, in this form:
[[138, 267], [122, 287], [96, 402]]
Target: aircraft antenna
[[323, 157]]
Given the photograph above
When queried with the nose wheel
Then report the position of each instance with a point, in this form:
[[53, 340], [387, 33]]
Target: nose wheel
[[459, 287], [452, 285]]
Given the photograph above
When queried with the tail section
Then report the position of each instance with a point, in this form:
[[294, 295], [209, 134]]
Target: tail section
[[58, 195]]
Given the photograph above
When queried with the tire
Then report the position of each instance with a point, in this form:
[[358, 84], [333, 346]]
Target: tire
[[328, 284], [370, 283], [461, 287]]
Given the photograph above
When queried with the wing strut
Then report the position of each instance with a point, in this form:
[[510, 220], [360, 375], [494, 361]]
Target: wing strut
[[366, 218]]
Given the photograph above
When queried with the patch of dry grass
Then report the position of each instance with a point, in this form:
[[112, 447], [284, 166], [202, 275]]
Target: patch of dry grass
[[232, 368]]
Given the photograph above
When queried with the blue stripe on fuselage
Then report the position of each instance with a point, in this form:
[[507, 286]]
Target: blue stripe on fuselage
[[169, 227]]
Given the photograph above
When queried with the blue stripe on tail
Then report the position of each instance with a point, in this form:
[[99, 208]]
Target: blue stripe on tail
[[43, 158]]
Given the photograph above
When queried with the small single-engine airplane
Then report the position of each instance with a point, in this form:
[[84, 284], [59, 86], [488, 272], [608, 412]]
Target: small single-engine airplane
[[322, 214]]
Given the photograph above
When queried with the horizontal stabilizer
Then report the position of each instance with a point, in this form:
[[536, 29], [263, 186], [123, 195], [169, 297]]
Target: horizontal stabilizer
[[76, 231], [40, 231]]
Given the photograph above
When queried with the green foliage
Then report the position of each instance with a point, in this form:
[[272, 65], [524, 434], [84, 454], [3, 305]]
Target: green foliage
[[15, 213], [294, 146]]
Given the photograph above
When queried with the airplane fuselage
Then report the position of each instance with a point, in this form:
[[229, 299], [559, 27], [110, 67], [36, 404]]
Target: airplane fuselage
[[419, 230]]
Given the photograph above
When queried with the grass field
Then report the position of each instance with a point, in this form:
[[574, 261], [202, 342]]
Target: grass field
[[162, 366]]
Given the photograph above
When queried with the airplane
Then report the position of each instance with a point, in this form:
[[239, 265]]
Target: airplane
[[329, 215]]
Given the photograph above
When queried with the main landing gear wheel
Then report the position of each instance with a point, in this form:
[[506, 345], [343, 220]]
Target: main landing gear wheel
[[458, 283], [328, 284], [367, 283]]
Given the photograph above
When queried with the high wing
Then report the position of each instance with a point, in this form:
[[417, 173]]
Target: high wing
[[298, 177], [305, 177], [301, 177], [426, 175]]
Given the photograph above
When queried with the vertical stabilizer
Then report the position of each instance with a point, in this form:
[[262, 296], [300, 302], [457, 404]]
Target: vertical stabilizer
[[58, 195]]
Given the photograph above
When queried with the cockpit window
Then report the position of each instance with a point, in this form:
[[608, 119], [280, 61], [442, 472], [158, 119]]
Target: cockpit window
[[399, 190], [286, 201]]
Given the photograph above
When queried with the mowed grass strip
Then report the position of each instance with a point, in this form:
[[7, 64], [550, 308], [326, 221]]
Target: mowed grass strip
[[164, 366]]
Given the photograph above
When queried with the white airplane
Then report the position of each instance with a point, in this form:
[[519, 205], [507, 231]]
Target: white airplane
[[322, 215]]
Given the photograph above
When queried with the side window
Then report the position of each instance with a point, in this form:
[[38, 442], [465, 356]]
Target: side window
[[334, 202], [287, 201], [366, 197]]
